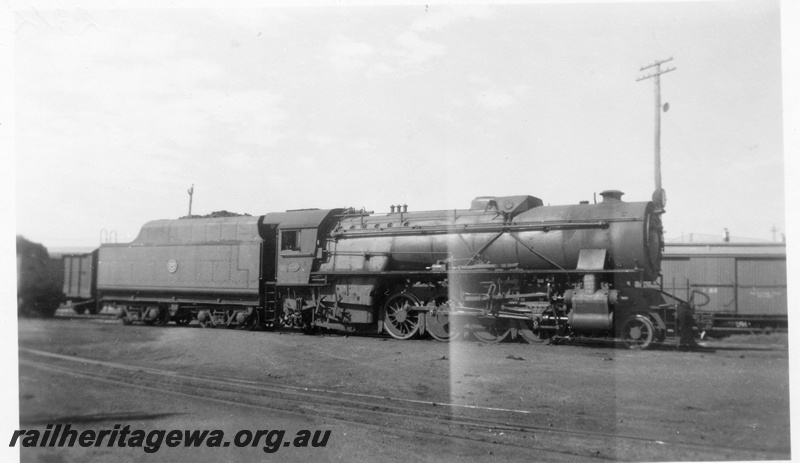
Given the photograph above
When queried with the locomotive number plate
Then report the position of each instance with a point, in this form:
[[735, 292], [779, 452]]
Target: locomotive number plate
[[172, 266], [293, 267]]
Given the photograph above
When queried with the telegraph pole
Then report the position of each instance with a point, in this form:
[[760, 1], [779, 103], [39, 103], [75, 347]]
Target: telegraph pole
[[659, 196], [191, 192]]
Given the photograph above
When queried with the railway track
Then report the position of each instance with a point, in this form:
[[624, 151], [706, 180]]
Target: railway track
[[490, 426]]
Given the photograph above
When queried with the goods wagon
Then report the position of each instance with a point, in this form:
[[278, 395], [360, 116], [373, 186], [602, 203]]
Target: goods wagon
[[80, 281], [745, 283]]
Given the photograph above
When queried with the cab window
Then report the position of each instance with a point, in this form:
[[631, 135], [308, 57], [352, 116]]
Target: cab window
[[290, 240]]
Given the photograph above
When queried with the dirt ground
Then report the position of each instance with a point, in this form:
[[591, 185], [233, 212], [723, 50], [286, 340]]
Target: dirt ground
[[410, 400]]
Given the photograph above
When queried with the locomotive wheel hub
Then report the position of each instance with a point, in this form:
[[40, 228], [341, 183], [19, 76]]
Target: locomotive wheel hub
[[401, 314]]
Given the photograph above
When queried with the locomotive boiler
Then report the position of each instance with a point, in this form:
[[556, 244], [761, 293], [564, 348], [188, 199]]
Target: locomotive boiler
[[507, 267]]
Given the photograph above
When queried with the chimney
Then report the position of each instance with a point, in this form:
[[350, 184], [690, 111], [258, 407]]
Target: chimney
[[726, 236]]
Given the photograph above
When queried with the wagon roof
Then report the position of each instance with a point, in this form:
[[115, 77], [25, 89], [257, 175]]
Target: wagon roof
[[725, 249]]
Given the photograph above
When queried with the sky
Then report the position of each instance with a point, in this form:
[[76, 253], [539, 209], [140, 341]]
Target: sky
[[118, 111]]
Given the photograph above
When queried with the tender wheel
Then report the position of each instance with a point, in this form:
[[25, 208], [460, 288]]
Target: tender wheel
[[250, 321], [122, 314], [206, 319], [399, 320], [152, 316], [638, 332], [439, 324], [492, 330], [163, 316]]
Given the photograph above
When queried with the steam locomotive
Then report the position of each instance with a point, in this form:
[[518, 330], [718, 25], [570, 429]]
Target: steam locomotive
[[507, 267]]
